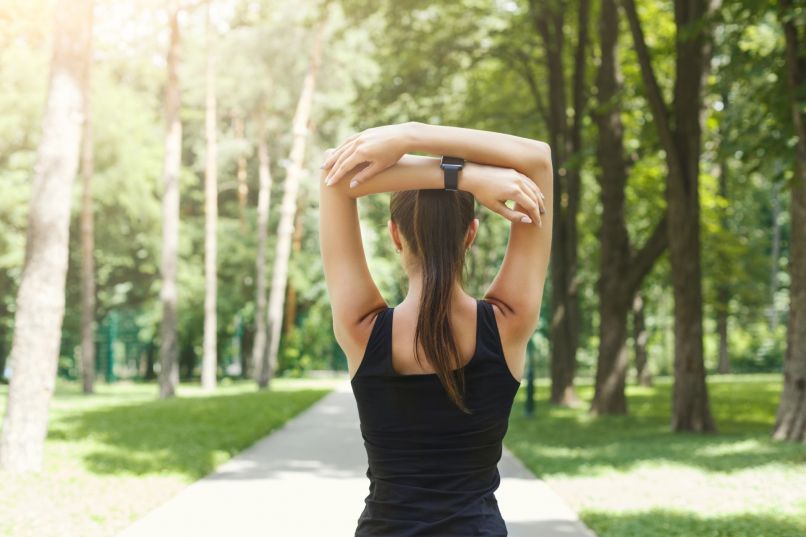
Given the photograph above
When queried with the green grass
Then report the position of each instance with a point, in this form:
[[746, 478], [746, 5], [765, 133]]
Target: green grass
[[111, 457], [630, 476]]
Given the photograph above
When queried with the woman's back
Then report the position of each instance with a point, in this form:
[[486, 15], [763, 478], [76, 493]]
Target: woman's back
[[433, 468]]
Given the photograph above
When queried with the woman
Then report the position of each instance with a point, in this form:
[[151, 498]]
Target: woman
[[435, 376]]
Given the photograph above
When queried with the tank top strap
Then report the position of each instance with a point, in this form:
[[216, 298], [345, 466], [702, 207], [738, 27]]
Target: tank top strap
[[378, 347], [488, 337]]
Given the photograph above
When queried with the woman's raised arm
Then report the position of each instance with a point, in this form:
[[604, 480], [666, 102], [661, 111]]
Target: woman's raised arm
[[383, 146], [492, 186]]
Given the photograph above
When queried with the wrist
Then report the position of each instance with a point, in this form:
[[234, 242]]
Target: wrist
[[410, 133], [469, 177]]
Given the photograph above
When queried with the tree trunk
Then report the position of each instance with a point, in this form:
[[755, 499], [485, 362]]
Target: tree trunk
[[290, 315], [775, 254], [790, 422], [680, 135], [263, 203], [209, 358], [40, 299], [243, 187], [621, 272], [640, 337], [723, 292], [565, 139], [169, 342], [285, 229], [87, 243]]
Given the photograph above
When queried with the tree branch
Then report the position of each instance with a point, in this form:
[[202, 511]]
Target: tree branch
[[644, 259], [657, 105]]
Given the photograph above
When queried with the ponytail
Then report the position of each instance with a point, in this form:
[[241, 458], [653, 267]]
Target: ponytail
[[434, 223]]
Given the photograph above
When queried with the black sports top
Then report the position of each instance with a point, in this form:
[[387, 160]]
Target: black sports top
[[433, 469]]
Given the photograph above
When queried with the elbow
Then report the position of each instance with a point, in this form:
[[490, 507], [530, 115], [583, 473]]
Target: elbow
[[541, 154], [538, 162]]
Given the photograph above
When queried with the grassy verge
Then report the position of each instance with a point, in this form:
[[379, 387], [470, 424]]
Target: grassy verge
[[112, 457], [628, 476]]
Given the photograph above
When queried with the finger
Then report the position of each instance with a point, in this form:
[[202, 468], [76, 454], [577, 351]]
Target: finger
[[365, 174], [511, 214], [528, 204], [348, 163], [339, 151], [344, 148], [338, 166], [536, 189]]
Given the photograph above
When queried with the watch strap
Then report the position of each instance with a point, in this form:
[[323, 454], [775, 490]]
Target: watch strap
[[451, 167]]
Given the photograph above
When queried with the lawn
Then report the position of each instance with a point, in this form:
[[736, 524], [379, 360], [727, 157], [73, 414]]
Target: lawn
[[112, 457], [628, 476]]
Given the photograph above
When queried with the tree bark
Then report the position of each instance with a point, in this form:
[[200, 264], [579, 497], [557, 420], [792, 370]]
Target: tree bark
[[40, 299], [169, 341], [209, 358], [790, 422], [87, 241], [723, 291], [290, 315], [263, 203], [680, 139], [565, 139], [775, 254], [285, 229], [243, 186], [621, 272]]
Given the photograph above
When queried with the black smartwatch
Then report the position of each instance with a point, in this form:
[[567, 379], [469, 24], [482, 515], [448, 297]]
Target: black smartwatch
[[451, 167]]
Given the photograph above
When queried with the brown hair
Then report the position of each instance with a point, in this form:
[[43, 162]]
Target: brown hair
[[434, 223]]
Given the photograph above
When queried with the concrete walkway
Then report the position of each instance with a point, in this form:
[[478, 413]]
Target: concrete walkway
[[309, 479]]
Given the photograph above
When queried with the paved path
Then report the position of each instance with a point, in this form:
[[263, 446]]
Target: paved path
[[309, 479]]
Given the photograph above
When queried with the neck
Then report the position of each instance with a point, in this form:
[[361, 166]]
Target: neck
[[416, 286]]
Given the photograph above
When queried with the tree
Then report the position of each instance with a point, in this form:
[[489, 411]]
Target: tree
[[169, 341], [87, 242], [565, 138], [679, 131], [208, 374], [40, 299], [790, 422], [263, 203], [285, 228], [621, 268]]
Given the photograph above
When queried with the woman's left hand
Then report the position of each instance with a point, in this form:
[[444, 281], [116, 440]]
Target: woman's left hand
[[380, 146]]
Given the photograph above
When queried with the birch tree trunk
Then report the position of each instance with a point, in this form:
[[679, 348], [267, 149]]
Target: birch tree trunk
[[87, 242], [40, 299], [209, 358], [243, 186], [790, 422], [169, 344], [263, 203], [274, 314]]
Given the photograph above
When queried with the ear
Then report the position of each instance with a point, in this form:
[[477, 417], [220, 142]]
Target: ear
[[394, 233], [472, 229]]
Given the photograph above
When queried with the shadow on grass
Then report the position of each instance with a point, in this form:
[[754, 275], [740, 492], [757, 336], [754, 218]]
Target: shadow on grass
[[190, 436], [569, 441], [664, 523]]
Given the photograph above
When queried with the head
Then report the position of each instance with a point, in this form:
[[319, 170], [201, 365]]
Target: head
[[433, 229]]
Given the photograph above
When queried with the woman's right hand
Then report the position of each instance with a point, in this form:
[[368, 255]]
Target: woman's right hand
[[493, 186]]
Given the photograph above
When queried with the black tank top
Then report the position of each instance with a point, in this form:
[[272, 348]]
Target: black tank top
[[433, 469]]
